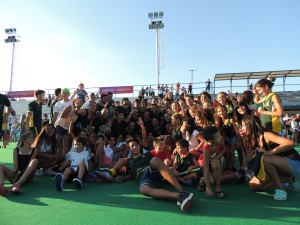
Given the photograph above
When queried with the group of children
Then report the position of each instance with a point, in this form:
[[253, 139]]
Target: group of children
[[187, 142]]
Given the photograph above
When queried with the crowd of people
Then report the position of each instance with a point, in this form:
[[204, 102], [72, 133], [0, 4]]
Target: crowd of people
[[182, 138]]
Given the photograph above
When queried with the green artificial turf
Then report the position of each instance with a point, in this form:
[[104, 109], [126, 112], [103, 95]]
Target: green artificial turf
[[118, 204]]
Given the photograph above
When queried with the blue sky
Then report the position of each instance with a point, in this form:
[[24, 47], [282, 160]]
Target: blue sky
[[108, 43]]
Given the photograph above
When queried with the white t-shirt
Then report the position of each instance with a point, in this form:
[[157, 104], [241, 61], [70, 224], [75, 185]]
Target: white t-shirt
[[108, 151], [77, 157], [193, 141], [86, 105], [60, 106]]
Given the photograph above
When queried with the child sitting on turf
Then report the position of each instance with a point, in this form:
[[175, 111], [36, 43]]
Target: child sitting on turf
[[160, 151], [150, 172], [79, 163], [25, 165], [184, 161], [213, 151]]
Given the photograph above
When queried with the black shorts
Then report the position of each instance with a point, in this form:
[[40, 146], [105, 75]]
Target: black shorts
[[60, 131], [151, 177]]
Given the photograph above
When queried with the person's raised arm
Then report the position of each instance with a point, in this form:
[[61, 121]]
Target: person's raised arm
[[144, 132]]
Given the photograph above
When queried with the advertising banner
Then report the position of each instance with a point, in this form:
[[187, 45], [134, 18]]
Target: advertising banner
[[116, 90], [20, 94]]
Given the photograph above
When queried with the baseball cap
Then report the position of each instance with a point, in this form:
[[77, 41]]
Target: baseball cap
[[67, 90]]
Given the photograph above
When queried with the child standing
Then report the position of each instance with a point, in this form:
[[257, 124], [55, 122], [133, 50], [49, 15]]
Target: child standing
[[79, 163], [25, 165], [211, 159], [228, 132], [184, 161]]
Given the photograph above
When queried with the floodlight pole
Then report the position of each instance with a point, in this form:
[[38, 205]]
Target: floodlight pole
[[12, 38], [12, 67], [156, 23], [192, 75], [157, 57]]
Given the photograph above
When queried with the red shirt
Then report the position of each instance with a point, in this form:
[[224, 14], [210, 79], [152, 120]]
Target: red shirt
[[211, 152], [161, 155]]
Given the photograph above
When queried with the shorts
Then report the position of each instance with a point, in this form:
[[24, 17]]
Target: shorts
[[1, 134], [61, 131], [151, 177], [230, 141], [295, 166], [74, 175]]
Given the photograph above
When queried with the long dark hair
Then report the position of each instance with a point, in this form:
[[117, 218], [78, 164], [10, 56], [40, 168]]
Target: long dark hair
[[237, 116], [43, 136], [253, 124]]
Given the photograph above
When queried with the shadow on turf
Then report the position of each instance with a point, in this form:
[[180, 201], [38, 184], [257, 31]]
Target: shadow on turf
[[239, 202]]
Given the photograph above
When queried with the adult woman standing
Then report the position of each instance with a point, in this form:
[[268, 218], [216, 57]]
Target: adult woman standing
[[280, 159], [270, 107]]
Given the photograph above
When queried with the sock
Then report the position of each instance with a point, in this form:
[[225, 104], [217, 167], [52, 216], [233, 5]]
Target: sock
[[113, 171]]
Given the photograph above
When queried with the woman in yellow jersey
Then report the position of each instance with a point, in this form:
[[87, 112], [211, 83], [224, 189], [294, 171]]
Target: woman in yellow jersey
[[270, 108]]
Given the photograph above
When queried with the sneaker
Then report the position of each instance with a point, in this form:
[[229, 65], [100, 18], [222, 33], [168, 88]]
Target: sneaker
[[3, 190], [106, 173], [77, 182], [58, 179], [185, 200], [39, 173], [16, 188]]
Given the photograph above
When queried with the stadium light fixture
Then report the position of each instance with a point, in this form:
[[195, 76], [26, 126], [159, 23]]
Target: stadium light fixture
[[156, 24], [12, 37]]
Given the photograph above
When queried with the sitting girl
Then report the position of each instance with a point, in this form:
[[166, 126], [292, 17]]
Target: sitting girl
[[25, 165], [280, 161]]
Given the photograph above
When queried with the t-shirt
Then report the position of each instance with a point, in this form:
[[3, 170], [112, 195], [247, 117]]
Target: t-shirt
[[193, 140], [184, 163], [161, 155], [212, 152], [60, 106], [77, 157], [137, 164], [177, 134], [227, 127], [81, 93], [35, 120], [4, 101]]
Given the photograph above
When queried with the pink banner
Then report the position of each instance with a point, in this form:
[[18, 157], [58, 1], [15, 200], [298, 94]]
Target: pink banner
[[20, 94], [116, 90]]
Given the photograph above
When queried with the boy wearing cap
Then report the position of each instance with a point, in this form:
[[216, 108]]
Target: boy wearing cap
[[59, 106]]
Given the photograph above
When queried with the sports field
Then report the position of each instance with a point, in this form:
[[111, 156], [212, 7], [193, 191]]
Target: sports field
[[118, 204]]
